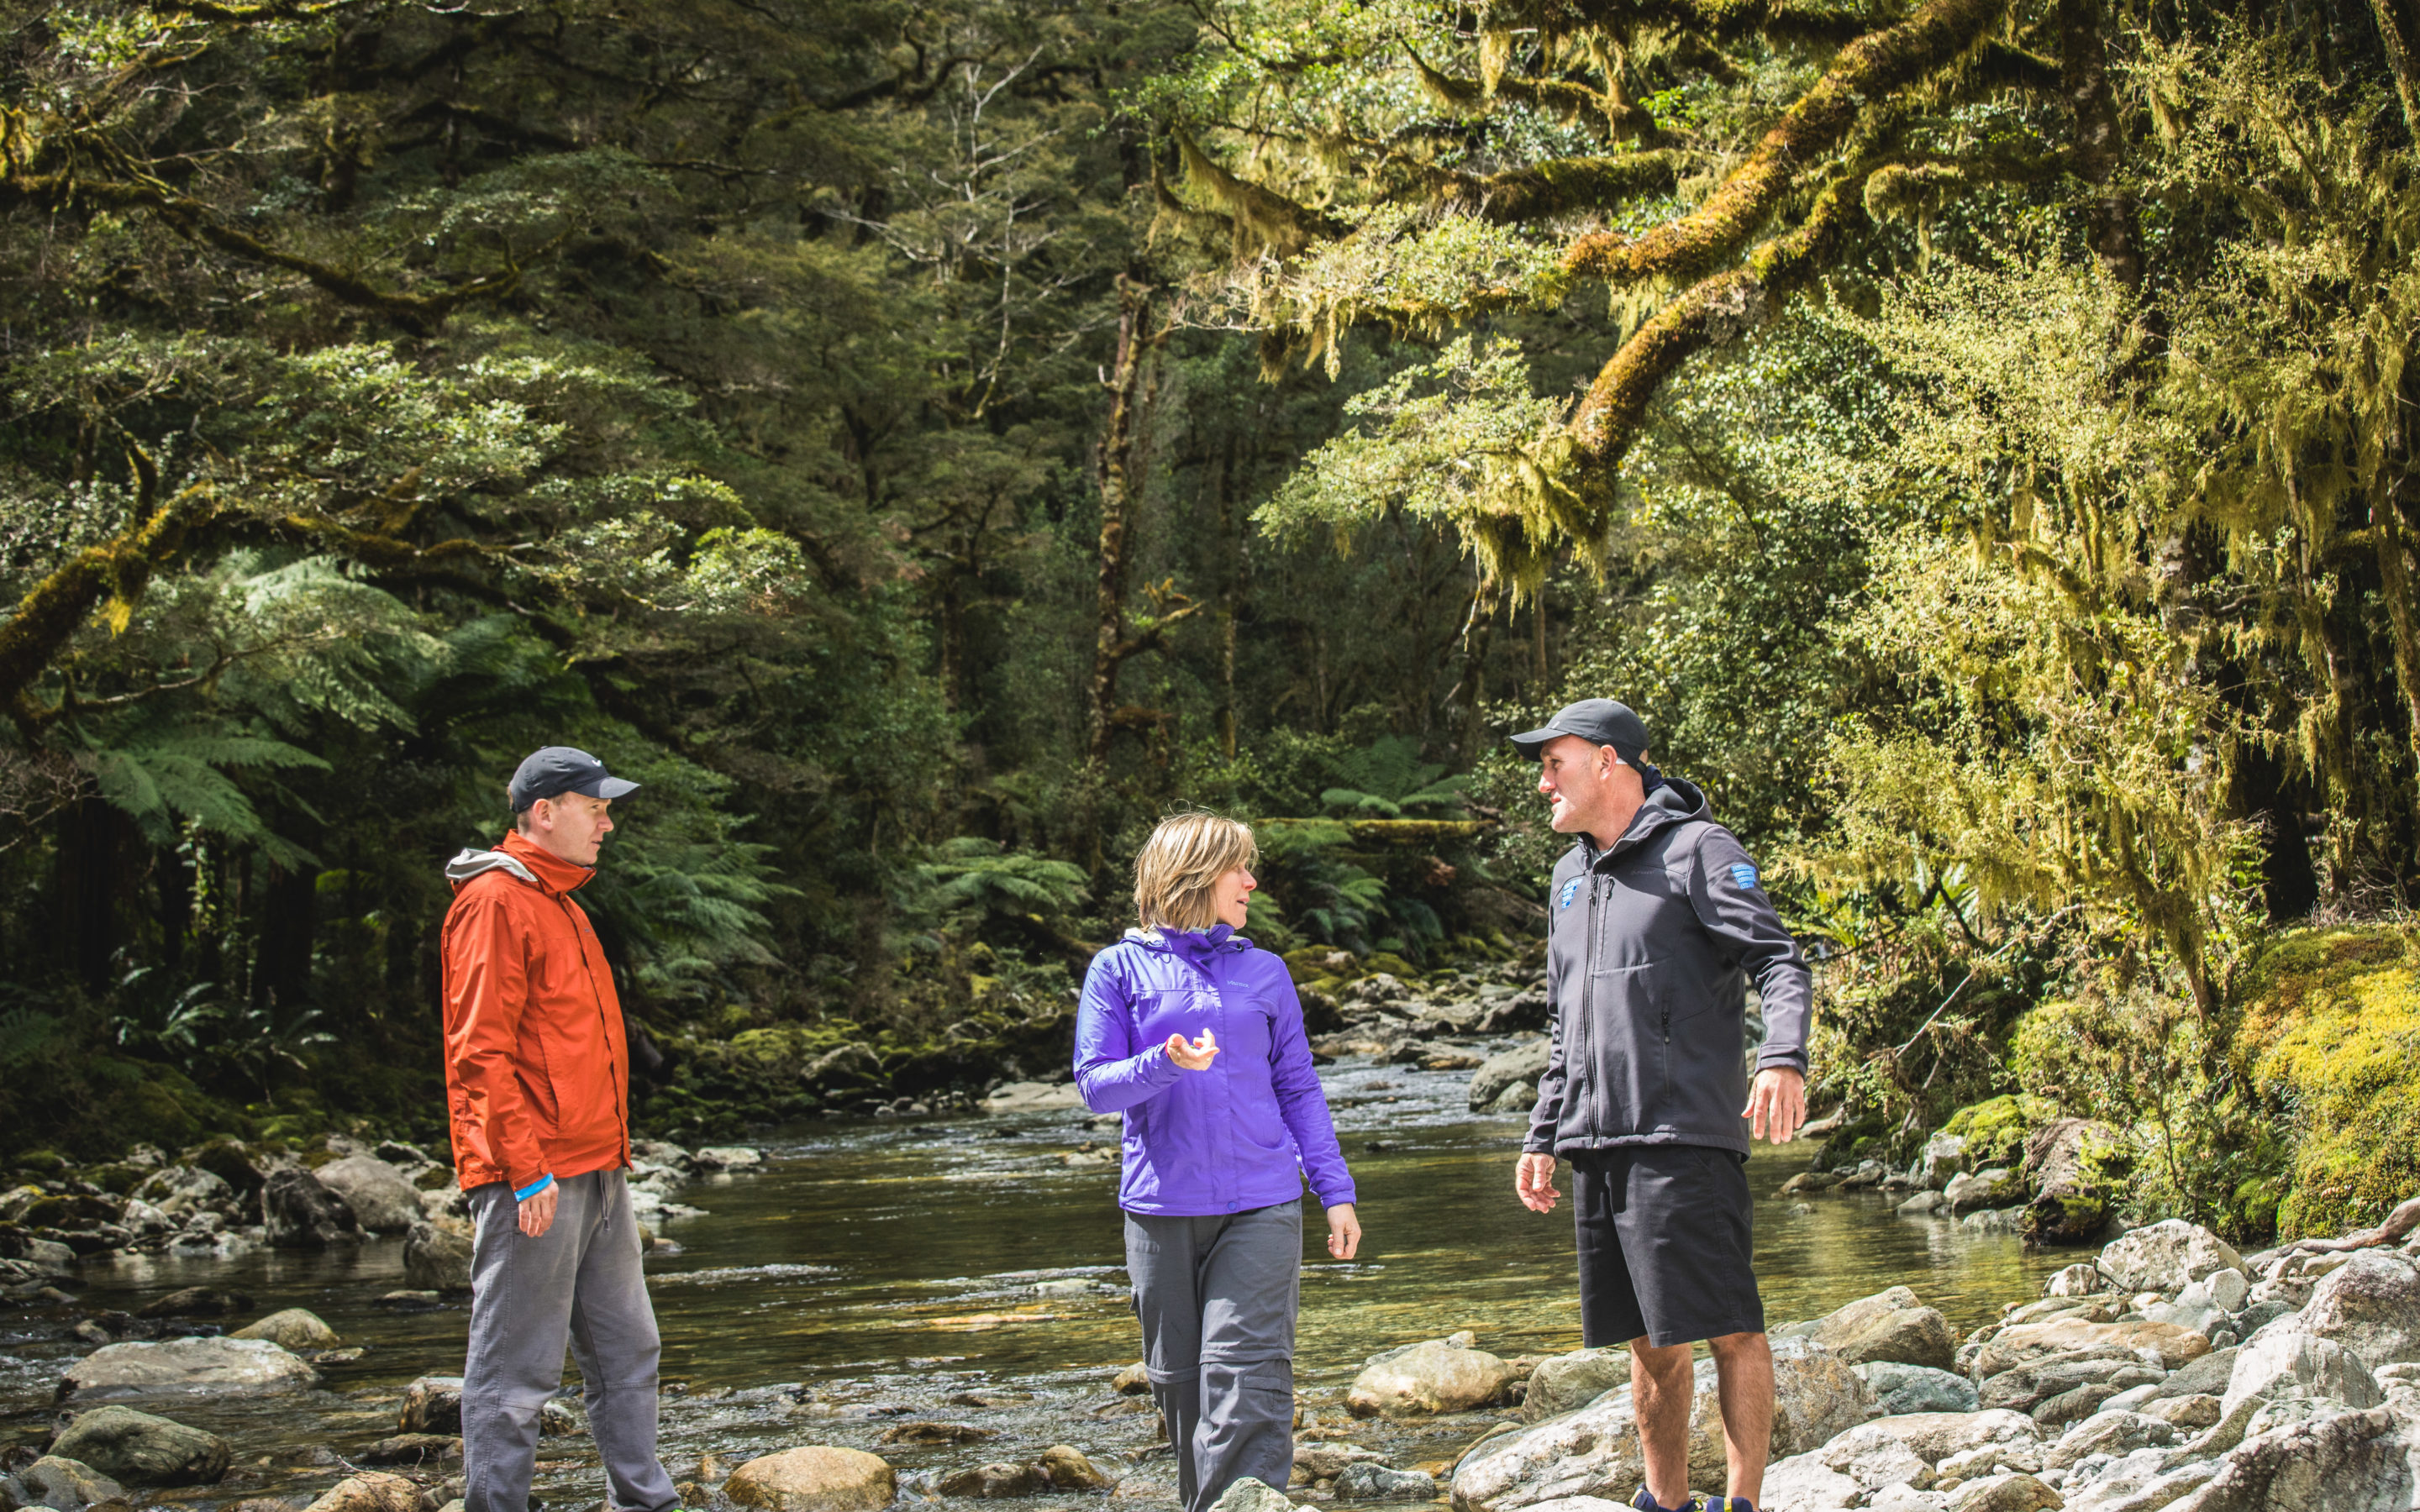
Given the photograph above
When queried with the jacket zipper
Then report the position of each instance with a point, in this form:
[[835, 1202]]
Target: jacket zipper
[[1587, 981], [580, 942]]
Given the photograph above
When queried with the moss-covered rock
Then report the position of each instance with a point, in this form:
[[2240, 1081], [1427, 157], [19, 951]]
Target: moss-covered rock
[[1995, 1131], [2331, 1035]]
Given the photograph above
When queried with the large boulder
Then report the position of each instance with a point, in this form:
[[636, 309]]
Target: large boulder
[[2021, 1342], [1569, 1381], [2285, 1361], [372, 1491], [1998, 1187], [819, 1479], [67, 1485], [437, 1258], [194, 1364], [2165, 1256], [2063, 1167], [1595, 1452], [2345, 1459], [303, 1214], [142, 1450], [1438, 1376], [1522, 1063], [295, 1327], [379, 1197], [1888, 1326], [2371, 1305]]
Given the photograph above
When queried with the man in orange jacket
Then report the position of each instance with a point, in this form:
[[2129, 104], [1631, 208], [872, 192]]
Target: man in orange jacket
[[538, 1089]]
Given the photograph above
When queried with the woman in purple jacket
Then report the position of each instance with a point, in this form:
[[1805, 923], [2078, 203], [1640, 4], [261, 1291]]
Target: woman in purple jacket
[[1196, 1036]]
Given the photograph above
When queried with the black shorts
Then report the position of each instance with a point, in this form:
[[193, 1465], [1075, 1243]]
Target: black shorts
[[1664, 1245]]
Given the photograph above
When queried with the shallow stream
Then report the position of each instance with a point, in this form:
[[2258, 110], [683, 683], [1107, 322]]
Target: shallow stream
[[970, 1270]]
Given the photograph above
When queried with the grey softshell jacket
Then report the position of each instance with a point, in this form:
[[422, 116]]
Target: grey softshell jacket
[[1649, 946]]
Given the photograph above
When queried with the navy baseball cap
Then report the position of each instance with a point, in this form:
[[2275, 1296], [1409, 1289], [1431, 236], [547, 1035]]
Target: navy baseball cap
[[1598, 721], [557, 770]]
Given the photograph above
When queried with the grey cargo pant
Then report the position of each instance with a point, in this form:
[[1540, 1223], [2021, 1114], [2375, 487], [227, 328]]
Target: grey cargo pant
[[578, 1284], [1217, 1296]]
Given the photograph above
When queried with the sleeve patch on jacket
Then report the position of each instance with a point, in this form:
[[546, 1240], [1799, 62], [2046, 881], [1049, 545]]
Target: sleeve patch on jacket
[[1571, 892], [1743, 876]]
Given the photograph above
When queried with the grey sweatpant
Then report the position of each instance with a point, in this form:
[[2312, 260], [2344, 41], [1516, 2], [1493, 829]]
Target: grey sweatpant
[[1217, 1296], [578, 1284]]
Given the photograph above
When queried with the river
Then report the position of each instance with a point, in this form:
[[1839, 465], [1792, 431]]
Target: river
[[969, 1269]]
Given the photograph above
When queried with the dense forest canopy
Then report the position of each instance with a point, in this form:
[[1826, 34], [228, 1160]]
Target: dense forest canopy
[[924, 443]]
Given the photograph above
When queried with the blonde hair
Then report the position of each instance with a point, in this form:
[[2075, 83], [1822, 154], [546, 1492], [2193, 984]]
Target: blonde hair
[[1177, 867]]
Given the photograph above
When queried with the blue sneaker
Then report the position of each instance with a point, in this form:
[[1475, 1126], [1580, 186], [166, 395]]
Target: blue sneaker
[[1644, 1502]]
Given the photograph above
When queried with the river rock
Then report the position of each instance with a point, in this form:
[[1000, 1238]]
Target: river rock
[[186, 1365], [142, 1450], [1567, 1381], [182, 1191], [432, 1404], [1368, 1482], [1028, 1097], [372, 1491], [412, 1449], [196, 1301], [729, 1158], [2082, 1279], [1923, 1205], [2166, 1256], [1997, 1187], [303, 1214], [1935, 1437], [1134, 1381], [819, 1479], [2109, 1433], [2347, 1460], [295, 1327], [932, 1433], [1889, 1325], [1802, 1483], [1874, 1458], [380, 1197], [1522, 1063], [2370, 1305], [436, 1258], [1251, 1495], [67, 1485], [1521, 1098], [1594, 1451], [2015, 1491], [1428, 1377], [1914, 1388], [1945, 1157], [993, 1482], [2098, 1373], [2071, 1199], [2287, 1360], [1068, 1469], [1317, 1460], [2015, 1345]]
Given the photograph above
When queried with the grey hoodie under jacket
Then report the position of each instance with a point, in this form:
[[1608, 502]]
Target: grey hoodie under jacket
[[1649, 950]]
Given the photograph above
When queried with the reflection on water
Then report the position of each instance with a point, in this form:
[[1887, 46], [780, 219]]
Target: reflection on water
[[972, 1269]]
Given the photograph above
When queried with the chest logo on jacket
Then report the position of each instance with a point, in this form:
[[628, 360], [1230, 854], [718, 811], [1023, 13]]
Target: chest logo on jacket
[[1571, 892]]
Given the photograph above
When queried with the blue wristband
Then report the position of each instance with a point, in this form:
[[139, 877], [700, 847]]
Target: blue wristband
[[534, 1188]]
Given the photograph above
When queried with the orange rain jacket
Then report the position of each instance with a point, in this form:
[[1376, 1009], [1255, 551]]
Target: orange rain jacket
[[537, 1077]]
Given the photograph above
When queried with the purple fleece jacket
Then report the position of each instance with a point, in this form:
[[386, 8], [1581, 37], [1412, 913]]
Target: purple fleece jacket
[[1242, 1134]]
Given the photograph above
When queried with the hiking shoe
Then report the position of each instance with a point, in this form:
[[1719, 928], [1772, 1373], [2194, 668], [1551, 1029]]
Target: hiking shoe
[[1644, 1502]]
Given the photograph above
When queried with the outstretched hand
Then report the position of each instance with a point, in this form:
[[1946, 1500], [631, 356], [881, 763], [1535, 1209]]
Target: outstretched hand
[[1194, 1055]]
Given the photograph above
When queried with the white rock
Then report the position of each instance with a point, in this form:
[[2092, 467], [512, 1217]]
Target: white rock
[[2081, 1279], [1935, 1436], [1875, 1457], [2370, 1305], [2109, 1433], [2165, 1256], [2289, 1362], [1803, 1483], [1028, 1097], [1430, 1377], [730, 1158], [2223, 1289], [187, 1364]]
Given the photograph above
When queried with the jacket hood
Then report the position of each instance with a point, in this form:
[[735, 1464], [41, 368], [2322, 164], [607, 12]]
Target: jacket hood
[[1676, 801], [532, 863], [1192, 944]]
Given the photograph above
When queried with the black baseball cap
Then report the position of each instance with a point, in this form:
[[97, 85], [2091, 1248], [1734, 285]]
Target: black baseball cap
[[557, 770], [1598, 721]]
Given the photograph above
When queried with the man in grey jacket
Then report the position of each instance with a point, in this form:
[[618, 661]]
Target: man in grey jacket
[[1655, 923]]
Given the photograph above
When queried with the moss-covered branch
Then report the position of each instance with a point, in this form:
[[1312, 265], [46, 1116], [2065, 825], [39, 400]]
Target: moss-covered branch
[[1562, 187], [116, 570], [1708, 315], [1264, 220], [1872, 68]]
